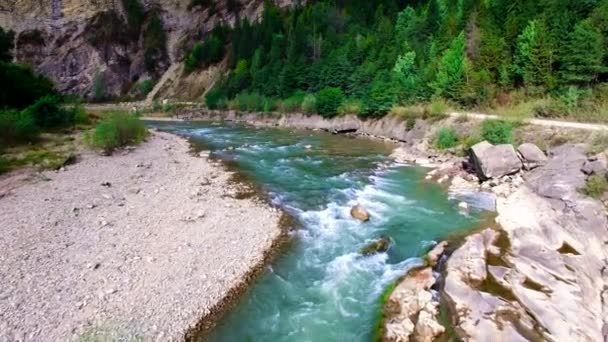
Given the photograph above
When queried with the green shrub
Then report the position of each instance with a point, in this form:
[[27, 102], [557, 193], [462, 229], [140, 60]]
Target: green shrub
[[446, 138], [379, 99], [410, 123], [145, 86], [79, 115], [249, 102], [21, 86], [595, 186], [215, 98], [119, 129], [269, 105], [470, 140], [309, 104], [17, 127], [436, 110], [328, 101], [293, 103], [5, 165], [351, 106], [47, 113], [497, 131]]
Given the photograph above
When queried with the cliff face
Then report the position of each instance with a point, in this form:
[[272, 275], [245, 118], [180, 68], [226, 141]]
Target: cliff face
[[90, 47]]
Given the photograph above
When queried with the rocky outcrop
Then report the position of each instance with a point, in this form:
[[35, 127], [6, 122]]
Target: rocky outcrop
[[493, 161], [596, 165], [531, 156], [541, 276], [412, 308], [360, 213], [88, 47]]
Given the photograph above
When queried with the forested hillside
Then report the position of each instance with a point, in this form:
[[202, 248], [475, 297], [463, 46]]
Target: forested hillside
[[365, 57]]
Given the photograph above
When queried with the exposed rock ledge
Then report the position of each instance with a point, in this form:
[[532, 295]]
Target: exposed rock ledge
[[137, 246]]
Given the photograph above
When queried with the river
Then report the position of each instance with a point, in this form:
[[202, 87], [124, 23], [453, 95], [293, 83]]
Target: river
[[321, 288]]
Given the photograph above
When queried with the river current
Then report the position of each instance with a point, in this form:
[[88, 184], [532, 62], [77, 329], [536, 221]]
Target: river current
[[321, 288]]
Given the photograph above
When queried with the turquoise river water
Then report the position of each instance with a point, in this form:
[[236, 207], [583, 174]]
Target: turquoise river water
[[321, 288]]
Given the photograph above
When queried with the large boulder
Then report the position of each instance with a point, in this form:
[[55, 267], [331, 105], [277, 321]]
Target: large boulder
[[360, 213], [561, 176], [494, 161], [531, 156]]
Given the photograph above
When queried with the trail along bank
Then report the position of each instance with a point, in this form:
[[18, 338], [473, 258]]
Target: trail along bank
[[143, 244]]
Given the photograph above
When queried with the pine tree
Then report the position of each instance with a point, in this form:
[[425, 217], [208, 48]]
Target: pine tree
[[451, 70], [583, 57], [406, 77]]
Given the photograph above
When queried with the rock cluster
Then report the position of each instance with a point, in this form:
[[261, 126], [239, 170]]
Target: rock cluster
[[542, 275], [412, 308]]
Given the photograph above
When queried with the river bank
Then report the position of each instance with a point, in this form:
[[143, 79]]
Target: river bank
[[139, 245]]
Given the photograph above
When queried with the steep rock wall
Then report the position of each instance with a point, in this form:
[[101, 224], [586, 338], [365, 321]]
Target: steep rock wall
[[88, 48]]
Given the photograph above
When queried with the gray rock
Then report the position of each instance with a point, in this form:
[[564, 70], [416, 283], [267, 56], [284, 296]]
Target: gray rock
[[493, 161], [561, 176], [531, 156], [597, 165], [380, 245]]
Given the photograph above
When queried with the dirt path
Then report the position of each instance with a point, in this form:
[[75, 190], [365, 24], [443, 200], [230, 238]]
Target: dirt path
[[140, 245], [539, 122]]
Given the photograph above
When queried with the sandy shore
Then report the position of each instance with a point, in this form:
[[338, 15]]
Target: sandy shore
[[140, 245]]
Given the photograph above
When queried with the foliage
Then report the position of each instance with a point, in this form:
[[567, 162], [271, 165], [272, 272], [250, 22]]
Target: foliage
[[446, 138], [17, 127], [155, 41], [145, 86], [25, 86], [293, 103], [309, 104], [329, 100], [385, 53], [117, 130], [135, 13], [595, 186], [497, 131], [209, 52], [215, 98], [351, 106], [47, 113]]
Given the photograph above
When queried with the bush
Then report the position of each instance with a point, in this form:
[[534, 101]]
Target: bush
[[250, 102], [215, 98], [309, 104], [328, 101], [145, 86], [497, 131], [436, 110], [21, 87], [595, 187], [119, 129], [5, 165], [379, 99], [293, 103], [17, 127], [351, 106], [47, 113], [446, 138]]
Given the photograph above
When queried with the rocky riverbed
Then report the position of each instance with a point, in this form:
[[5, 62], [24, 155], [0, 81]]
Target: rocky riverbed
[[139, 245]]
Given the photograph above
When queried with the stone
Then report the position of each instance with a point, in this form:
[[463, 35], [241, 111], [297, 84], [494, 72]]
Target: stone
[[433, 256], [463, 206], [561, 176], [494, 161], [531, 156], [360, 213], [596, 165], [380, 245]]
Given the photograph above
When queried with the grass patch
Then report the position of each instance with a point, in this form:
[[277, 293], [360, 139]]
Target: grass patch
[[497, 131], [446, 138], [379, 324], [595, 186], [117, 130], [599, 142]]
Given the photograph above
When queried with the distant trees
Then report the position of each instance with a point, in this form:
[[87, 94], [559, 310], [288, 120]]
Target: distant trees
[[383, 52]]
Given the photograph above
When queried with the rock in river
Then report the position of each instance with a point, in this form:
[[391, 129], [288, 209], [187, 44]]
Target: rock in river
[[360, 213], [380, 245]]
